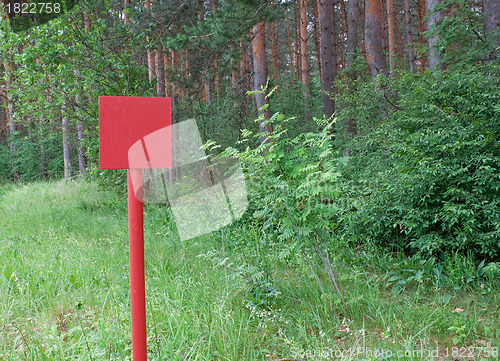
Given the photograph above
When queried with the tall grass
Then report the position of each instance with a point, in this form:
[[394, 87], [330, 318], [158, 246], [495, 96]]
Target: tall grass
[[64, 292]]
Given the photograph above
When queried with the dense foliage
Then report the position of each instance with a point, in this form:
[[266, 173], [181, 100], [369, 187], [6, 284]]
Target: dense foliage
[[425, 177]]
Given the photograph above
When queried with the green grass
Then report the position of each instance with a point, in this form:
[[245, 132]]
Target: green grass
[[64, 291]]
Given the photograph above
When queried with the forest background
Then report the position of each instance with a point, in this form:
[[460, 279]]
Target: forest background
[[366, 129]]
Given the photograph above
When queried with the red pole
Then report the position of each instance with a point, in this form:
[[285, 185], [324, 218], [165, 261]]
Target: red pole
[[136, 256]]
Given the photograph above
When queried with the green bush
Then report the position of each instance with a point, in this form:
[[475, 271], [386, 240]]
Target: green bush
[[291, 183], [426, 178], [4, 163], [28, 163]]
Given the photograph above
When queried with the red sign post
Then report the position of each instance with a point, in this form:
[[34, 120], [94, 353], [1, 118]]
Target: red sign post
[[134, 134]]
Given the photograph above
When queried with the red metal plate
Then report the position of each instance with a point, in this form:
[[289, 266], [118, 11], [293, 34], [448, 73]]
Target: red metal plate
[[125, 120]]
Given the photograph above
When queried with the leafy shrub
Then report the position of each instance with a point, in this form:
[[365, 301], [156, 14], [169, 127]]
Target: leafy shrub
[[426, 178], [463, 28], [292, 185], [291, 181], [29, 163]]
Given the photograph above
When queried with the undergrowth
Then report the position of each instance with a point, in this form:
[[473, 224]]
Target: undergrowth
[[224, 296]]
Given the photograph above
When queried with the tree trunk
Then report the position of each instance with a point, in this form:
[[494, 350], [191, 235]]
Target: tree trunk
[[492, 23], [409, 40], [217, 78], [215, 65], [82, 161], [9, 112], [208, 93], [175, 95], [151, 64], [434, 18], [274, 49], [297, 42], [66, 147], [420, 18], [352, 36], [392, 37], [43, 162], [9, 105], [290, 49], [345, 30], [151, 55], [399, 37], [328, 55], [86, 21], [126, 3], [304, 59], [362, 46], [316, 6], [184, 60], [260, 78], [373, 37], [160, 72], [166, 66], [245, 66]]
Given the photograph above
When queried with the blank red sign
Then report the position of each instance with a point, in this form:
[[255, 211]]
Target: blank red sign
[[124, 121]]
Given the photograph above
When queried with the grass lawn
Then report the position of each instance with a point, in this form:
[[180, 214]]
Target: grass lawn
[[64, 291]]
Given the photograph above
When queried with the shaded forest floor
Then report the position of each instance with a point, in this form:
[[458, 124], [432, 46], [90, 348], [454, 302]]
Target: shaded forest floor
[[64, 292]]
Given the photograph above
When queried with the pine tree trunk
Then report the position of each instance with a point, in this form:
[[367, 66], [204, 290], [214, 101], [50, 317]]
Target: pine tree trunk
[[392, 37], [166, 66], [351, 52], [345, 30], [208, 94], [260, 78], [245, 66], [160, 72], [399, 39], [420, 18], [352, 36], [274, 49], [409, 40], [297, 41], [151, 55], [304, 59], [362, 46], [492, 23], [9, 105], [328, 55], [184, 60], [316, 6], [151, 64], [373, 37], [215, 65], [175, 92], [434, 18], [290, 49]]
